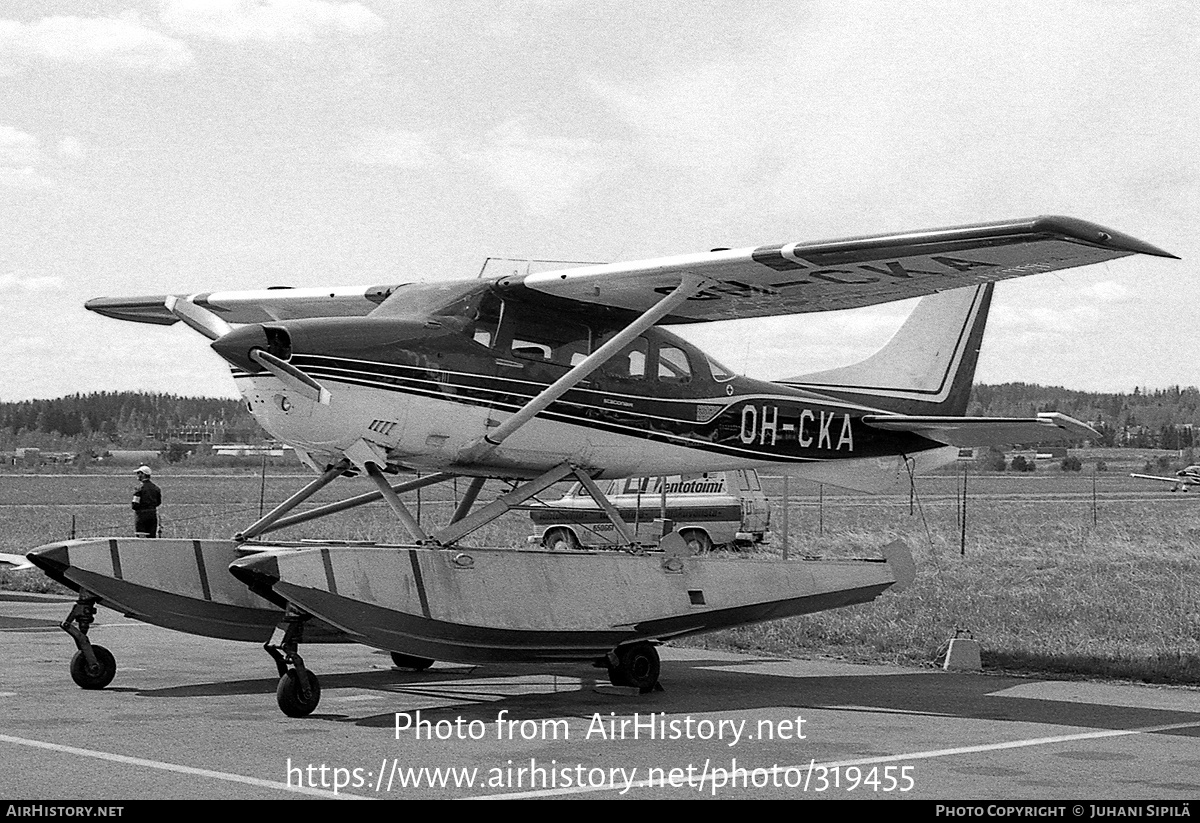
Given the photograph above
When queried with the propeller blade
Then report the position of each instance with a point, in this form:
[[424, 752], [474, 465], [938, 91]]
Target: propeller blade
[[295, 379], [198, 317]]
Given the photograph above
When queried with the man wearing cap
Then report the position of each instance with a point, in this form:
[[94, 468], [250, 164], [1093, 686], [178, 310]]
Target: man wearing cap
[[146, 499]]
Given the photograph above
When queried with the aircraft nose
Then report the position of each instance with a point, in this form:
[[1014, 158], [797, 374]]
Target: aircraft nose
[[237, 345]]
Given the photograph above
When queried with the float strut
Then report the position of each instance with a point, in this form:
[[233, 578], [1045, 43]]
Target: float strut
[[260, 525]]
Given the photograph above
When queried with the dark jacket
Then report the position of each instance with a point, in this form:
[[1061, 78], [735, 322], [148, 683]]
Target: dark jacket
[[147, 498]]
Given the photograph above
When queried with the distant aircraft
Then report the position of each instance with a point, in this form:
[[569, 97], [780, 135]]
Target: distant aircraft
[[1182, 481], [536, 377]]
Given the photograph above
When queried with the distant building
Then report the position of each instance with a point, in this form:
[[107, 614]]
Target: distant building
[[133, 457], [251, 449]]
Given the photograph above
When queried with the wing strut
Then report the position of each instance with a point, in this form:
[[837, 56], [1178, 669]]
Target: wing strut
[[198, 317], [689, 285]]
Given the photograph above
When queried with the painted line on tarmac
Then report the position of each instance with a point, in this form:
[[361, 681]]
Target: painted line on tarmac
[[173, 767], [698, 785]]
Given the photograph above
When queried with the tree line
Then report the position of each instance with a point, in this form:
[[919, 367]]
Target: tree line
[[1143, 418], [123, 420]]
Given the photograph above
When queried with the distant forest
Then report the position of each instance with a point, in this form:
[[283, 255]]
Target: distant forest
[[1159, 418], [1162, 418], [124, 420]]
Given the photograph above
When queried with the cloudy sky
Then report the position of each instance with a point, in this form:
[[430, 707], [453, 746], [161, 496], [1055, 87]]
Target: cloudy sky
[[157, 146]]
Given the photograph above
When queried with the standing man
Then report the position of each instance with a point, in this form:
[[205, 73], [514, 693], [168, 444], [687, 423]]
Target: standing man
[[147, 497]]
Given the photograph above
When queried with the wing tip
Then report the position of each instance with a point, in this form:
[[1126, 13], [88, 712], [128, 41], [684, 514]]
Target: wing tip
[[136, 309], [1097, 235]]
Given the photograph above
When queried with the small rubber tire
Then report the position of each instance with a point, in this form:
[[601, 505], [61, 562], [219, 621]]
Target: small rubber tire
[[408, 661], [292, 701], [560, 539], [98, 677], [637, 665]]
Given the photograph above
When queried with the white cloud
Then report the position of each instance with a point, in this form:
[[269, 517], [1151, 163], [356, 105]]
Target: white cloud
[[1108, 291], [394, 147], [20, 282], [546, 173], [70, 147], [122, 44], [19, 157], [16, 147], [268, 21]]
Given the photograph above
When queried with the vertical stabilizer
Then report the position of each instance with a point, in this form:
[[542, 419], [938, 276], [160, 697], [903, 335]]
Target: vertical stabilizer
[[926, 368]]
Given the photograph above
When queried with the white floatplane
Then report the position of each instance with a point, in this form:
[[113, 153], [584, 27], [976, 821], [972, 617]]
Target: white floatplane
[[543, 376]]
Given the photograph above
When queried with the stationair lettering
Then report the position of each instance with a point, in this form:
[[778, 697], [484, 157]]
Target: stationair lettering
[[761, 426]]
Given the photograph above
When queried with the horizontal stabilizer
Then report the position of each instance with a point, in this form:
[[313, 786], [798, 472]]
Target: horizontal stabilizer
[[985, 431]]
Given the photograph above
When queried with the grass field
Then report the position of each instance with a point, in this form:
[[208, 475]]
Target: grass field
[[1046, 580]]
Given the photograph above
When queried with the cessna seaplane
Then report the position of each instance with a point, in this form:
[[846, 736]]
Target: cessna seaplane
[[538, 377], [1183, 480]]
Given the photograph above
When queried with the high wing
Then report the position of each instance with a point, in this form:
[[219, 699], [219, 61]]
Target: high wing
[[1182, 480], [985, 431], [253, 306], [794, 278], [787, 278]]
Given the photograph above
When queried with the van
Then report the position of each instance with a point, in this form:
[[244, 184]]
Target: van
[[708, 510]]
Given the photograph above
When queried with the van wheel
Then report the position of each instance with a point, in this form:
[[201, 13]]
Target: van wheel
[[560, 539], [697, 540]]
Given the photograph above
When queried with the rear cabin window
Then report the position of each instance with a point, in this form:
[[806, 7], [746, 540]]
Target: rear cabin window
[[719, 372], [630, 363], [673, 365]]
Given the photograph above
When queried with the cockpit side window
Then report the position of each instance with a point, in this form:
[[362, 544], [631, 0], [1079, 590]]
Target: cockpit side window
[[535, 337], [487, 321]]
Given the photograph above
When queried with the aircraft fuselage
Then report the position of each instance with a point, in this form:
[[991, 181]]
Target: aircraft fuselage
[[422, 388]]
